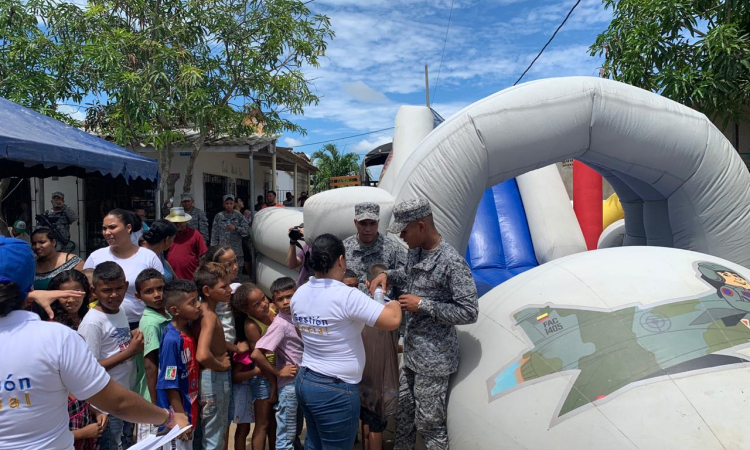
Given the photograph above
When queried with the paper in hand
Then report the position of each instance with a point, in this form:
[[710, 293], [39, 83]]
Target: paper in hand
[[155, 442]]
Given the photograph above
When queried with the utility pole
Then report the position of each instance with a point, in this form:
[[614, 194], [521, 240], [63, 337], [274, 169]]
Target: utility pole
[[427, 85]]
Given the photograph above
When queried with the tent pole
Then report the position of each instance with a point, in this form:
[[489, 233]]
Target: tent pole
[[39, 189], [157, 200], [251, 193]]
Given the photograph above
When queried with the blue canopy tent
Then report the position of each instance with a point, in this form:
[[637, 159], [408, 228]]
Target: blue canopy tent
[[34, 145]]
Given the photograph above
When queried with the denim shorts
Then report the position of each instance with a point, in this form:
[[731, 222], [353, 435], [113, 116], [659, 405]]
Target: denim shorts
[[260, 387], [215, 395]]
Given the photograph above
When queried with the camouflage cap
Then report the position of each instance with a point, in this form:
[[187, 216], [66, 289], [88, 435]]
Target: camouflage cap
[[58, 194], [409, 211], [186, 196], [366, 211], [228, 197]]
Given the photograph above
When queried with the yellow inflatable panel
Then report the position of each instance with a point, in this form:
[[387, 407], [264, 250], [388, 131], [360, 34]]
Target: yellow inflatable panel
[[611, 211]]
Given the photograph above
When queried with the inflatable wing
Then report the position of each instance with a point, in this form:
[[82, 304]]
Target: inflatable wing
[[680, 182]]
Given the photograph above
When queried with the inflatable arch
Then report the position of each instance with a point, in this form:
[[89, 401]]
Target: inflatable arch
[[680, 182]]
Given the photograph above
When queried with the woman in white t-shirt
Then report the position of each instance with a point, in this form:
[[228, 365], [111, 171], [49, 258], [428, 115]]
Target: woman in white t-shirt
[[330, 316], [133, 259], [44, 361]]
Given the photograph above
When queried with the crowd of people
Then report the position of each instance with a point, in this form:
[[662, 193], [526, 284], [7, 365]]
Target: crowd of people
[[167, 334]]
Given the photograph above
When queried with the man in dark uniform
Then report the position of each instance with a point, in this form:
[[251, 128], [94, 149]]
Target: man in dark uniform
[[61, 216], [368, 247], [439, 294]]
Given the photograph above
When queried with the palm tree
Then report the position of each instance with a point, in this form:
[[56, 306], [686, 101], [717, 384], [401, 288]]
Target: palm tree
[[332, 163]]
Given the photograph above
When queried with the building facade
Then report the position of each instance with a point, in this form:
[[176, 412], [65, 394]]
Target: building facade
[[225, 167]]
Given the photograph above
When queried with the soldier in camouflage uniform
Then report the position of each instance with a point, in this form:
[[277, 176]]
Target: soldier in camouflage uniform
[[199, 219], [379, 385], [61, 216], [440, 295], [229, 228], [368, 247]]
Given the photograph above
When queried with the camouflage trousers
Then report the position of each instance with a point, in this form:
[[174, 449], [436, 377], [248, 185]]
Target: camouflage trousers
[[421, 408]]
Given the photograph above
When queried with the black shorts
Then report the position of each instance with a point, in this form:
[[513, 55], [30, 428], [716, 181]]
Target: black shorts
[[369, 418]]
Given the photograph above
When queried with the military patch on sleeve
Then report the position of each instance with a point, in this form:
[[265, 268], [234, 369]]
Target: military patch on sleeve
[[170, 373]]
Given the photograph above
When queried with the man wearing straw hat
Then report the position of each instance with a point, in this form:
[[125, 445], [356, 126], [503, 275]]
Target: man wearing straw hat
[[188, 246]]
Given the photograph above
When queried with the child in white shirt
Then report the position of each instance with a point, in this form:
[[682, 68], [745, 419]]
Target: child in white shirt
[[107, 334]]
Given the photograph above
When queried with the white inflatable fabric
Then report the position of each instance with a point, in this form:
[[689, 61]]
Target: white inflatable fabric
[[267, 271], [613, 235], [413, 123], [271, 231], [332, 211], [626, 348], [552, 222], [679, 180]]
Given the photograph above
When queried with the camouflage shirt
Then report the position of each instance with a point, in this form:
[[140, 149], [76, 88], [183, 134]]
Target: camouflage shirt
[[359, 257], [233, 238], [199, 222], [61, 220], [443, 280]]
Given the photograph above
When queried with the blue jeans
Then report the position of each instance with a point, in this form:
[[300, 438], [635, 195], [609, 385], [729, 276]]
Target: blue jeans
[[331, 409], [288, 419], [112, 435], [215, 392]]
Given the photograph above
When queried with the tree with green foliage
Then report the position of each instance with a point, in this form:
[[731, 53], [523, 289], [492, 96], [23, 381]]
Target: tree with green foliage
[[143, 66], [218, 67], [252, 69], [159, 70], [696, 52], [332, 163], [39, 41], [38, 68]]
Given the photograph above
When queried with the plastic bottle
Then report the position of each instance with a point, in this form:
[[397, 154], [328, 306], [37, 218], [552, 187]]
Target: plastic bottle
[[379, 295]]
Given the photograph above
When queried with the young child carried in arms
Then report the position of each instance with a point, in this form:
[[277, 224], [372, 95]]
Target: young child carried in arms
[[149, 288], [378, 389], [252, 308], [282, 339], [107, 334], [177, 384], [212, 281], [351, 279]]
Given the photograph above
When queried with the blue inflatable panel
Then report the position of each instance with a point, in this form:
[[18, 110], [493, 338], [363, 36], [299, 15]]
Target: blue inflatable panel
[[500, 244]]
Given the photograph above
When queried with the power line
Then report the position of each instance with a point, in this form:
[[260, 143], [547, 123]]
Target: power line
[[548, 42], [347, 137], [445, 41]]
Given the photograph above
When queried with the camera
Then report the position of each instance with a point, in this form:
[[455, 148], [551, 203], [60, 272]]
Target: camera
[[295, 234]]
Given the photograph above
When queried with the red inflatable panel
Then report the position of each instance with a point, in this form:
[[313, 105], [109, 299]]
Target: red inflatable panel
[[587, 202]]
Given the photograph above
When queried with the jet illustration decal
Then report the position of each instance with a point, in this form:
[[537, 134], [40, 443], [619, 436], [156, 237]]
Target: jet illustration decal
[[613, 349]]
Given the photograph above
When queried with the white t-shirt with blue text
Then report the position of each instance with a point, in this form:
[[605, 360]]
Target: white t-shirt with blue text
[[42, 362], [330, 317]]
